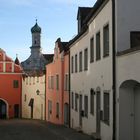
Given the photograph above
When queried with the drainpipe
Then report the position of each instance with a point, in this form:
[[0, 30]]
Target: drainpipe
[[62, 84], [45, 94], [21, 78], [69, 92], [114, 68]]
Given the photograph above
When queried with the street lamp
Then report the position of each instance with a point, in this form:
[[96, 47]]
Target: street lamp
[[37, 91]]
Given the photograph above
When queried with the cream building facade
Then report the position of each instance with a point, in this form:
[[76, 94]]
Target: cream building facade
[[33, 97]]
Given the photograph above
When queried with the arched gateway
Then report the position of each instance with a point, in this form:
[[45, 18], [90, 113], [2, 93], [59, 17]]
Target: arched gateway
[[129, 110], [3, 109]]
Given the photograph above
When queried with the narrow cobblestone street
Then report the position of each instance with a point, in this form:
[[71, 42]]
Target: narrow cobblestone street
[[37, 130]]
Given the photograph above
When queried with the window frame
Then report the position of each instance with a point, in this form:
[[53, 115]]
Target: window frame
[[98, 46], [86, 106], [15, 83], [105, 47], [80, 61], [92, 93], [76, 63], [86, 59], [92, 49], [106, 108]]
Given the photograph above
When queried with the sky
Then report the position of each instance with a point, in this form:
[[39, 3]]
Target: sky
[[57, 18]]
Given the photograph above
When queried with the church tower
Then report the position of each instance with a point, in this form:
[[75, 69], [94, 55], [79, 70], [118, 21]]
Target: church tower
[[36, 61], [36, 39]]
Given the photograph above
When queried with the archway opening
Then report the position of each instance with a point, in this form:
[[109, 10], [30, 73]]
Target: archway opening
[[3, 110], [129, 112]]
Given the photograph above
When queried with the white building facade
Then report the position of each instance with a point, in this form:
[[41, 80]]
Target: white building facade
[[33, 97], [104, 63], [91, 74], [127, 69]]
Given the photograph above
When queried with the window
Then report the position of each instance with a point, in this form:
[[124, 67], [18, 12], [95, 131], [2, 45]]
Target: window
[[106, 40], [98, 49], [86, 106], [80, 61], [52, 82], [33, 80], [76, 63], [72, 100], [76, 102], [57, 82], [92, 101], [49, 82], [25, 98], [106, 108], [57, 110], [72, 64], [135, 39], [86, 59], [27, 81], [92, 49], [66, 83], [37, 79], [15, 84], [49, 107], [30, 80]]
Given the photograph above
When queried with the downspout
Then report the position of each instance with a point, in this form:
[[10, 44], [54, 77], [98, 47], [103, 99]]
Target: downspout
[[114, 68], [62, 85], [21, 77], [45, 93], [69, 93]]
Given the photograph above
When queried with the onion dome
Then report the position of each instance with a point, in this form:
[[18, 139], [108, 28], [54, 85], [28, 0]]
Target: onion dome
[[36, 28]]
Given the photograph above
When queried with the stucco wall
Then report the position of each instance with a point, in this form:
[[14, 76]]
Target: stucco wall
[[127, 19], [29, 87], [99, 74], [128, 68]]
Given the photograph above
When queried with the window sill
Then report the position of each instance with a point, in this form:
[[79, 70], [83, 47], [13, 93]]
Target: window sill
[[107, 55], [105, 122]]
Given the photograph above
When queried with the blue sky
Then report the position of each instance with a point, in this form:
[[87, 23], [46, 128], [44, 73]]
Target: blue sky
[[57, 18]]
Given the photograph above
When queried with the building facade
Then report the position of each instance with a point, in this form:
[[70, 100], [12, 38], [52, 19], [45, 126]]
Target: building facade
[[91, 72], [10, 89], [57, 86], [104, 85], [127, 70], [33, 97]]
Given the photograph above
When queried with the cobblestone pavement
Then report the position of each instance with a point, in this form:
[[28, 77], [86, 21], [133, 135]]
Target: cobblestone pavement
[[37, 130]]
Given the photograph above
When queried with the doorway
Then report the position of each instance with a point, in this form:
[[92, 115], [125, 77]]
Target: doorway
[[3, 109], [16, 110], [66, 114], [129, 112]]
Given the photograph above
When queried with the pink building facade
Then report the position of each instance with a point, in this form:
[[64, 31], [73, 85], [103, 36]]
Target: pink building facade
[[57, 85], [10, 89]]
